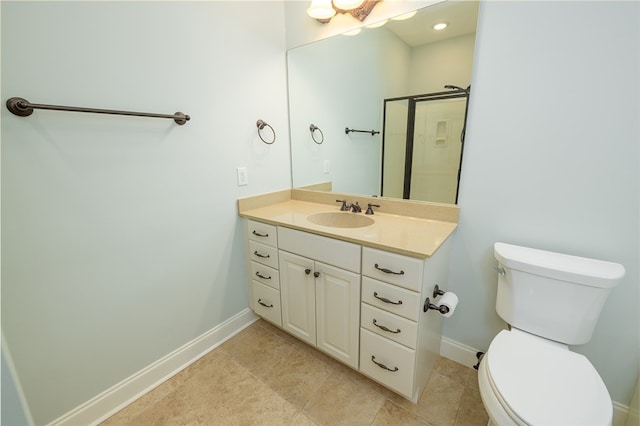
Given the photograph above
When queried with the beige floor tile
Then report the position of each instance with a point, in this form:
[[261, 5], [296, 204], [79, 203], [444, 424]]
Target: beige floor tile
[[343, 401], [264, 376], [297, 376], [277, 331], [468, 376], [439, 402], [126, 415], [222, 391], [392, 414], [302, 420], [471, 411], [257, 349], [171, 410]]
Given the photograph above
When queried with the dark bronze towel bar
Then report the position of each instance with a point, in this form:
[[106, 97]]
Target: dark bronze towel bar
[[24, 108]]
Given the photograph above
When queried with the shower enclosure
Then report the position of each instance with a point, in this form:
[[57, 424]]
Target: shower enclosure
[[422, 145]]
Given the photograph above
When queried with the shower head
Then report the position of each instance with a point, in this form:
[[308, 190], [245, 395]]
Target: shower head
[[450, 86]]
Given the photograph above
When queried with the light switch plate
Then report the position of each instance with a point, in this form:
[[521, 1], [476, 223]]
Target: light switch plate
[[243, 176]]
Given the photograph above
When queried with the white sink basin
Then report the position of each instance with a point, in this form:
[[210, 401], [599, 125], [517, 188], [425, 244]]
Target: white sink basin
[[341, 219]]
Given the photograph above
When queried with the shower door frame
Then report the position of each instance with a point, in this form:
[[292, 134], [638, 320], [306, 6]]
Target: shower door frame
[[411, 110]]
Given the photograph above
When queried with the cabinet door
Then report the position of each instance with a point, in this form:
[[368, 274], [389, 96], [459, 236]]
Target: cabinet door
[[338, 313], [297, 292]]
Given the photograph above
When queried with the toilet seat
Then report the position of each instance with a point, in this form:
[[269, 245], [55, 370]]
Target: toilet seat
[[543, 383]]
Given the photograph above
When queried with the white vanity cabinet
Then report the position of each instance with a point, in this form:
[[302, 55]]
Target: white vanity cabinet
[[399, 342], [265, 277], [320, 292], [362, 306]]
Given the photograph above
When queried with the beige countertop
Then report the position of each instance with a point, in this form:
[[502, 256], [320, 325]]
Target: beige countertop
[[412, 236]]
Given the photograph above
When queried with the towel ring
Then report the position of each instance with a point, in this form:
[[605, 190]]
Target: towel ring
[[312, 129], [261, 125]]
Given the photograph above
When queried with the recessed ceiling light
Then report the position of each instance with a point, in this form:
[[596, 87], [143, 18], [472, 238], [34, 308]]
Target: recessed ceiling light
[[440, 26]]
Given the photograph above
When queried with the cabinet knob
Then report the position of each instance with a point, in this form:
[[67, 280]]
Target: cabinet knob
[[307, 271], [316, 274]]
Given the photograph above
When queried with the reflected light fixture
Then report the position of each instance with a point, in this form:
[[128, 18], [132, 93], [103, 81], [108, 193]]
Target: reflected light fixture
[[352, 32], [440, 26], [347, 4], [321, 10], [405, 16], [324, 10], [377, 24]]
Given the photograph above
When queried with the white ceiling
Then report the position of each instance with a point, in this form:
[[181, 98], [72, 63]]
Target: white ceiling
[[462, 17]]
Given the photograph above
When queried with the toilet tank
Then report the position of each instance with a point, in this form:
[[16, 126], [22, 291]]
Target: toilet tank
[[552, 295]]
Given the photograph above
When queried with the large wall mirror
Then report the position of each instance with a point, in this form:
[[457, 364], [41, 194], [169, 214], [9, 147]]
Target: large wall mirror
[[356, 100]]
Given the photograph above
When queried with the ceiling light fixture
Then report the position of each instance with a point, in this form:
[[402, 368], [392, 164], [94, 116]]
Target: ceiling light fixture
[[324, 10], [347, 4], [321, 10], [440, 26]]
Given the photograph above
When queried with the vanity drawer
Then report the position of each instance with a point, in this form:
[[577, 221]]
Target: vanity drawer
[[326, 250], [263, 233], [392, 268], [391, 298], [261, 253], [266, 303], [388, 325], [395, 363], [265, 274]]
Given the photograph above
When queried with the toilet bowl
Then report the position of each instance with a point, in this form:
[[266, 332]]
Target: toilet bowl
[[528, 376], [527, 380]]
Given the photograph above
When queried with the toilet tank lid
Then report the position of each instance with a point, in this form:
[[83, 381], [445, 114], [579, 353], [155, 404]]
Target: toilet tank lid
[[582, 270]]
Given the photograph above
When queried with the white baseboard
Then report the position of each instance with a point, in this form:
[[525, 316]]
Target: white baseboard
[[122, 394], [456, 351], [466, 355]]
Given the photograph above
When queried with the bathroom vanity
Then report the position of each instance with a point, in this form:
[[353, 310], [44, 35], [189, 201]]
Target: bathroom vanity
[[354, 289]]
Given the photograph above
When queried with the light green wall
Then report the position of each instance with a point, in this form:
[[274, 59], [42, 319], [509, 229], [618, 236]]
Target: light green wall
[[120, 239], [120, 235], [551, 161]]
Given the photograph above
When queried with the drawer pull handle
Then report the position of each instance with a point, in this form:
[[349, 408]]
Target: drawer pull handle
[[382, 327], [261, 255], [307, 271], [257, 234], [262, 276], [316, 274], [388, 271], [264, 304], [381, 365], [385, 300]]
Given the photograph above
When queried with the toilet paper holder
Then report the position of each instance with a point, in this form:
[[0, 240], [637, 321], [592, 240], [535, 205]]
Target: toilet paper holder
[[428, 305]]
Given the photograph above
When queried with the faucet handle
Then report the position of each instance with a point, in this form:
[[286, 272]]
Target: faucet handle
[[369, 208], [344, 206]]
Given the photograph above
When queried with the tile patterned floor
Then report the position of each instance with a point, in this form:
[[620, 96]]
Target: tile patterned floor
[[263, 376]]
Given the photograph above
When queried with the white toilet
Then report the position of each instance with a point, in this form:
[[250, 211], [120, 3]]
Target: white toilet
[[528, 376]]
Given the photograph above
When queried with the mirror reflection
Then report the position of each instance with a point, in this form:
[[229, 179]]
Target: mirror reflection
[[360, 82]]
